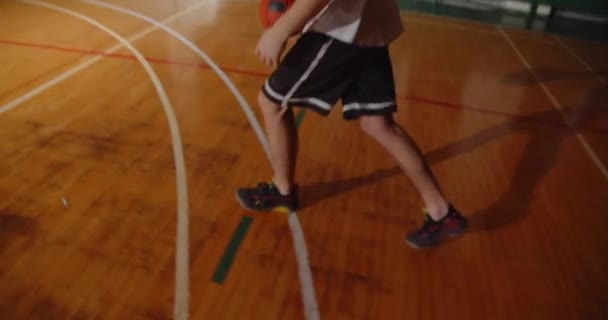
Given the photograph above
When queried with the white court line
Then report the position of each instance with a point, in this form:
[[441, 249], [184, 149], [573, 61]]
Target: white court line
[[178, 154], [558, 106], [582, 61], [90, 61], [311, 310], [161, 25]]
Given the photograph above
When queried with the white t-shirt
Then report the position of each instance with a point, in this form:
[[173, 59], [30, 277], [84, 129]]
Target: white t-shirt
[[361, 22]]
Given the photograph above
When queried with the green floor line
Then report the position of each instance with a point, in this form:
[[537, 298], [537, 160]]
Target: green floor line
[[230, 252], [300, 116], [223, 266]]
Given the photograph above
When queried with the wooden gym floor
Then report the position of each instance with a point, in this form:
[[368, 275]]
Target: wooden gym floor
[[93, 186]]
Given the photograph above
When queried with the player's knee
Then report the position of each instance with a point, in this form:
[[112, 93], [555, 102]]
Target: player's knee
[[376, 125], [268, 107]]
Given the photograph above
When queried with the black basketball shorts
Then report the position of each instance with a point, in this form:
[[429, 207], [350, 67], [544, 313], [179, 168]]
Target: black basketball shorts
[[319, 71]]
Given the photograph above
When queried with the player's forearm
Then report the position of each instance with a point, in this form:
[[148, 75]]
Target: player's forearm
[[300, 12]]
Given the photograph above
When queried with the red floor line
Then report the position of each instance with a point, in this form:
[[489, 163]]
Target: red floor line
[[130, 57], [263, 75], [480, 110], [521, 118]]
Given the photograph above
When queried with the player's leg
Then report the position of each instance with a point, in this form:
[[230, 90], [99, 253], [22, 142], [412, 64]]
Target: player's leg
[[441, 219], [283, 142], [311, 75], [371, 98], [384, 130]]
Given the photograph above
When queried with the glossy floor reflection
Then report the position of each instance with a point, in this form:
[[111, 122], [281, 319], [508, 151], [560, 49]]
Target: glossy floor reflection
[[514, 124]]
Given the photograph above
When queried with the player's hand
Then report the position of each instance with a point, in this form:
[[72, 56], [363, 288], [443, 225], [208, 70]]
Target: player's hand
[[271, 46]]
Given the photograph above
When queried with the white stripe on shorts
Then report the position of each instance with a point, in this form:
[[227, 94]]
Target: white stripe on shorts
[[307, 73], [314, 101], [368, 106]]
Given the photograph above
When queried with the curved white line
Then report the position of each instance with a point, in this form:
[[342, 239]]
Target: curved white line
[[243, 103], [89, 62], [311, 309], [181, 299]]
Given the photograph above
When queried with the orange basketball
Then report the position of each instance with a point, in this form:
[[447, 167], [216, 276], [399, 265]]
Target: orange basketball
[[271, 10]]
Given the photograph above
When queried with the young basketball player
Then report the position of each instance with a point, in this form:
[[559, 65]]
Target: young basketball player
[[341, 55]]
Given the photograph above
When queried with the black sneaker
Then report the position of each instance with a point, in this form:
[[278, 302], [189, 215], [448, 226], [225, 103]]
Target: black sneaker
[[453, 224], [266, 197]]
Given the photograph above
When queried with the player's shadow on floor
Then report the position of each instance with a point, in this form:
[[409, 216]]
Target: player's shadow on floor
[[539, 156], [321, 191], [546, 130]]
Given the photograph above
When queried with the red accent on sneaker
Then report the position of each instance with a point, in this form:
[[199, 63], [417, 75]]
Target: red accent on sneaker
[[451, 222]]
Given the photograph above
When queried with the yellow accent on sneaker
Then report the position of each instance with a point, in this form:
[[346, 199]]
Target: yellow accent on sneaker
[[281, 209]]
